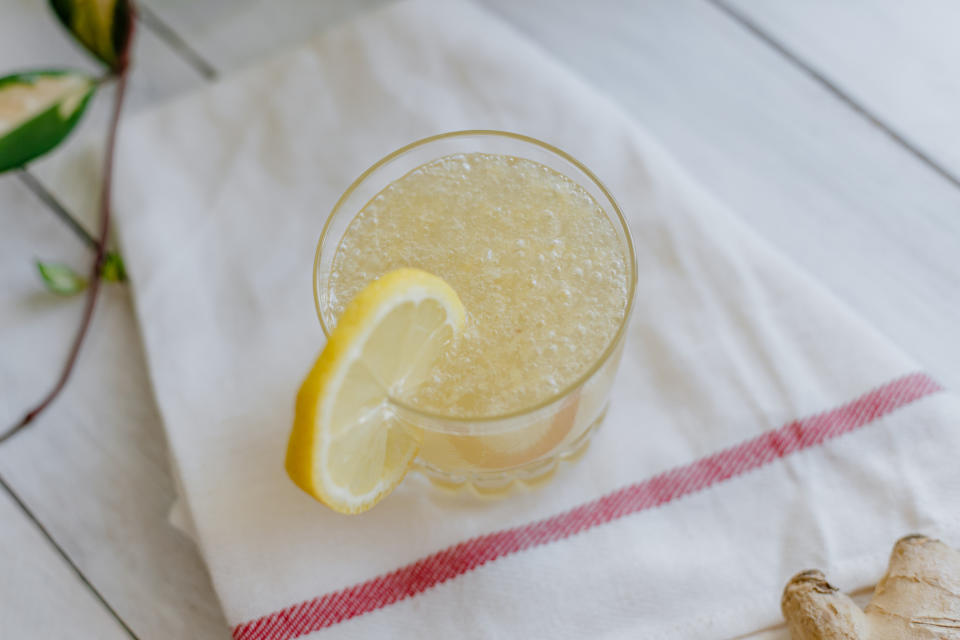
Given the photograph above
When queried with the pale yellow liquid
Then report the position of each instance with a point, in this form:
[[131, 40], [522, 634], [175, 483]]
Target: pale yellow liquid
[[541, 271]]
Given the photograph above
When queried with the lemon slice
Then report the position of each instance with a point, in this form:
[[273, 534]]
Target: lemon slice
[[347, 448]]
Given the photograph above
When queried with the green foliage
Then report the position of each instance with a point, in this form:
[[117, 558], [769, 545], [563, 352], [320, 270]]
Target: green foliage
[[38, 109], [103, 27], [61, 279], [113, 269]]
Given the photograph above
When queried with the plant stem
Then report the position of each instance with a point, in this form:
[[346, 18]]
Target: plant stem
[[48, 199], [101, 243]]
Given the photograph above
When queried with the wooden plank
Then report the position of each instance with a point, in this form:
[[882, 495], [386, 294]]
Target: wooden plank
[[94, 468], [40, 596], [28, 361], [897, 59], [31, 37]]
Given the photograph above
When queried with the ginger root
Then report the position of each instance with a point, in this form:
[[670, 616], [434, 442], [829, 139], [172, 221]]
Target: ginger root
[[917, 599]]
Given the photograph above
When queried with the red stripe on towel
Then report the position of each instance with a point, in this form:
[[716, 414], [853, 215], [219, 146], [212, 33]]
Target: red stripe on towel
[[333, 608]]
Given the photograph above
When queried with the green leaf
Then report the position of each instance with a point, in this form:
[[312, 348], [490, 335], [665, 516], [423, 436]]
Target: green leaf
[[38, 109], [102, 26], [113, 269], [60, 278]]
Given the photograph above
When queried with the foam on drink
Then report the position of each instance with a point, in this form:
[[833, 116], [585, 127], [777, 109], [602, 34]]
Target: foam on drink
[[539, 267]]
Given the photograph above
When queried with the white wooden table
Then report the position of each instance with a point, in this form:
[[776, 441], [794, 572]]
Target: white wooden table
[[831, 126]]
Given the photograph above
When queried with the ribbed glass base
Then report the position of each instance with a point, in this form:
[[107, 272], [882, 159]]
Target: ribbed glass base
[[500, 483]]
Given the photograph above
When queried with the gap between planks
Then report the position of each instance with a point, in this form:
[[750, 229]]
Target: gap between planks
[[178, 45], [754, 29], [66, 558], [205, 69]]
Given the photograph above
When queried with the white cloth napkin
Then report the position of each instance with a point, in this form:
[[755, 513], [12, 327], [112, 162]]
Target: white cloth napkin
[[756, 428]]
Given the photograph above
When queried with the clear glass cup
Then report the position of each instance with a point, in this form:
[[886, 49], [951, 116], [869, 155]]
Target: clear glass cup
[[491, 454]]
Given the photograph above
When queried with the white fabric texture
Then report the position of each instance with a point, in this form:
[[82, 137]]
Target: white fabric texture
[[220, 199]]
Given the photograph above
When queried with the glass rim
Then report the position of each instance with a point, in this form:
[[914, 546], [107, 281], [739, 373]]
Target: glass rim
[[601, 359]]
